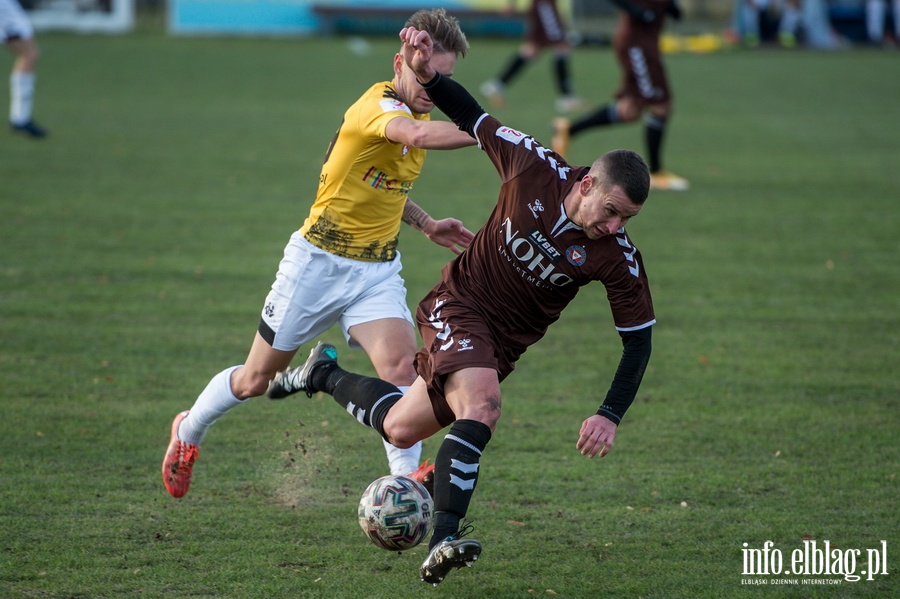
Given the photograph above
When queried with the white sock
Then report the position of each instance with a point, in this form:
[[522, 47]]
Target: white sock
[[403, 461], [214, 402], [21, 92]]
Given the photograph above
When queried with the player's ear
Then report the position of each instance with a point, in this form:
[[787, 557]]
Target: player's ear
[[398, 64], [587, 183]]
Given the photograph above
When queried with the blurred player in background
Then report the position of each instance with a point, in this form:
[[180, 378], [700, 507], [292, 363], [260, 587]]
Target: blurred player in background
[[644, 88], [343, 266], [555, 229], [876, 21], [18, 35], [545, 30]]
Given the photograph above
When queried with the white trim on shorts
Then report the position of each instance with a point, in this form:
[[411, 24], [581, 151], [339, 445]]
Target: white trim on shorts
[[314, 289]]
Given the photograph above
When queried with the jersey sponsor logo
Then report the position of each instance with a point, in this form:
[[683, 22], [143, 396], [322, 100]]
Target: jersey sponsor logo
[[536, 207], [464, 345], [622, 238], [394, 106], [529, 259], [378, 179], [576, 255], [544, 246], [405, 150], [529, 143]]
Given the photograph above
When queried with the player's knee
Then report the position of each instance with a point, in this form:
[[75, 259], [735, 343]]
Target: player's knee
[[29, 54], [628, 113], [402, 438], [245, 385], [486, 410], [399, 372]]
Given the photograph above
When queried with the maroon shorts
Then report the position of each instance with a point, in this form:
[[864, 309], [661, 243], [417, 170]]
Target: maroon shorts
[[455, 337], [545, 27], [643, 74]]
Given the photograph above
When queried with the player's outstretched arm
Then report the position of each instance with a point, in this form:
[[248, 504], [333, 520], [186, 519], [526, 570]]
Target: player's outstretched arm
[[428, 135], [449, 96], [447, 232], [599, 431]]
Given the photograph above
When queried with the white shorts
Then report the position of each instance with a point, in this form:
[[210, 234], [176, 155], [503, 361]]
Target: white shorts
[[14, 23], [314, 289]]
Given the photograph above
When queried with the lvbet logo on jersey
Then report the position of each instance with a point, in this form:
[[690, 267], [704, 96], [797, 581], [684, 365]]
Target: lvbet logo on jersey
[[536, 255]]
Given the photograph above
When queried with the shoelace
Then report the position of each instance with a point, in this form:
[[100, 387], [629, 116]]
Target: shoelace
[[292, 381], [419, 472], [466, 528], [189, 455]]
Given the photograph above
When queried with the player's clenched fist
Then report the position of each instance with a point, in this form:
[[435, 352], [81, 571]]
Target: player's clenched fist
[[418, 48]]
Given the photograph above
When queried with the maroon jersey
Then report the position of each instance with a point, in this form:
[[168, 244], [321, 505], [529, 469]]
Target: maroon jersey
[[529, 260], [631, 31]]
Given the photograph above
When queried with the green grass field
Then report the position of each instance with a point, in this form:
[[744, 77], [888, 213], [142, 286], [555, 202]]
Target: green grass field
[[138, 242]]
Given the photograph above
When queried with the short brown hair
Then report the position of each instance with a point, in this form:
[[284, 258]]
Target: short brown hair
[[626, 169], [444, 30]]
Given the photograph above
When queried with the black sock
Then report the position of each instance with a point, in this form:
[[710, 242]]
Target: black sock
[[366, 398], [601, 117], [654, 129], [325, 376], [513, 69], [561, 70], [455, 474]]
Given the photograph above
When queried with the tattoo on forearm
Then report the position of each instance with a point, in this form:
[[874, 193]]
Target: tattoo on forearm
[[414, 216]]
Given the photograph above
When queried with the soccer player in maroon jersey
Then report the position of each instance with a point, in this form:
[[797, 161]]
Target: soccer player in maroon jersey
[[644, 88], [546, 30], [555, 228]]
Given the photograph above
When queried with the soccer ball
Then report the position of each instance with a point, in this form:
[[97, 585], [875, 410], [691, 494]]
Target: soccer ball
[[396, 513]]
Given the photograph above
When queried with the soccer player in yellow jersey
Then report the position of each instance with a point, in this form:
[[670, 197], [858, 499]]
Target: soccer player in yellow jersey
[[343, 266]]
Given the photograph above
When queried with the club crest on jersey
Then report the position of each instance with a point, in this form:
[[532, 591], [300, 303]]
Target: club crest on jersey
[[576, 255], [390, 105]]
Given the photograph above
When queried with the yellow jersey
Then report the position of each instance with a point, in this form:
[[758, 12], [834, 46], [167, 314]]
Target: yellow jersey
[[365, 181]]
